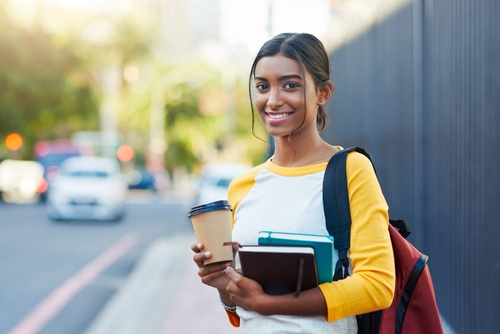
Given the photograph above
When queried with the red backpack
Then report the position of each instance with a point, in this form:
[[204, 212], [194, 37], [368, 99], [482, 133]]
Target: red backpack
[[414, 308]]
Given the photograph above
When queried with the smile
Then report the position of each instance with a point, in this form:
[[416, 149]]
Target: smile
[[278, 115]]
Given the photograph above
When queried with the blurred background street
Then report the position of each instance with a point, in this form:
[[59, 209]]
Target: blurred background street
[[59, 277], [117, 116]]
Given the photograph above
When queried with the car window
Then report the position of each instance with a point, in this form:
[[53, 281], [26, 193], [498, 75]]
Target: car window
[[88, 173], [223, 182]]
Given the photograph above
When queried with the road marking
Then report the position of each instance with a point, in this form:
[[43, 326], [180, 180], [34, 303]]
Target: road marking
[[49, 307]]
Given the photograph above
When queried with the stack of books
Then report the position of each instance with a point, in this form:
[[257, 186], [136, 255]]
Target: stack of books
[[285, 262]]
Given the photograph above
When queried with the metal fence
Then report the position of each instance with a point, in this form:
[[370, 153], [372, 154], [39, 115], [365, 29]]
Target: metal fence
[[420, 91]]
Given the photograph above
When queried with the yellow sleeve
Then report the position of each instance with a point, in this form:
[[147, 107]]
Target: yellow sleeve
[[371, 286]]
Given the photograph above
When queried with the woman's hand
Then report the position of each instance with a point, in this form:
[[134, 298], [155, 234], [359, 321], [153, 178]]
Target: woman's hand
[[245, 292], [213, 274], [248, 294]]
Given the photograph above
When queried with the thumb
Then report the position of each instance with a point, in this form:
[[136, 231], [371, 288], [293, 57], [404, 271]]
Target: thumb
[[232, 274]]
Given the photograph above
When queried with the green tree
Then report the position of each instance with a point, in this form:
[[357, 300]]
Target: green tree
[[45, 92], [199, 125]]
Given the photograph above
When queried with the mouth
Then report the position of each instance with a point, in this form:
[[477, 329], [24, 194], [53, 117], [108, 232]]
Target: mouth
[[278, 115]]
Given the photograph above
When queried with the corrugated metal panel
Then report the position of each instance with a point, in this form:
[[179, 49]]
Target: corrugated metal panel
[[419, 91]]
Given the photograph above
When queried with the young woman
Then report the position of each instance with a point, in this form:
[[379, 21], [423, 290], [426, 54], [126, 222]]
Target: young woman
[[291, 83]]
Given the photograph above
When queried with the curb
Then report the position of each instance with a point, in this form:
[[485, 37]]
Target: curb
[[143, 301]]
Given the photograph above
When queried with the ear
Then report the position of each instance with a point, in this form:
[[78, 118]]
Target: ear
[[325, 91]]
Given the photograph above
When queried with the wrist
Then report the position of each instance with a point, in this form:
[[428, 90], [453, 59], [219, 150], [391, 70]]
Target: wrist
[[230, 308]]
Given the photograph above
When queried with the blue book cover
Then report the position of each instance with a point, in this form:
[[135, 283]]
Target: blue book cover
[[322, 244]]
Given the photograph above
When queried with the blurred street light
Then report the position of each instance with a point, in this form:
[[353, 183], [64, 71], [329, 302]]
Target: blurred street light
[[125, 153], [14, 141]]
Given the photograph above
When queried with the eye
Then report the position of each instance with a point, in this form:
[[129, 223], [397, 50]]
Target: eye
[[291, 85], [262, 86]]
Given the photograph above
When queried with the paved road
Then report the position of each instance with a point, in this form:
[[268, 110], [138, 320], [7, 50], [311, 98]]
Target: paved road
[[74, 268]]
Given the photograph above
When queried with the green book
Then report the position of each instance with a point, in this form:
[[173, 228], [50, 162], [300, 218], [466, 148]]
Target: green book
[[321, 243]]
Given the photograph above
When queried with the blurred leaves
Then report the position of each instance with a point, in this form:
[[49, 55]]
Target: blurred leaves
[[43, 91], [51, 86]]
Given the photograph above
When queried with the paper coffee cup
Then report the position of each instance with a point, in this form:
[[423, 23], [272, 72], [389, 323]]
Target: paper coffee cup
[[212, 227]]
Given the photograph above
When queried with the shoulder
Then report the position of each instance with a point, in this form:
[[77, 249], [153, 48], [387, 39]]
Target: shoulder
[[362, 181], [247, 176], [242, 184], [358, 165], [356, 159]]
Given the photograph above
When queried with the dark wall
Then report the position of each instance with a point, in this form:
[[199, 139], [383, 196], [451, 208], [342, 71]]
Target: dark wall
[[420, 91]]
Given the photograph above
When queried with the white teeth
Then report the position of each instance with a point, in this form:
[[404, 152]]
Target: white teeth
[[277, 116]]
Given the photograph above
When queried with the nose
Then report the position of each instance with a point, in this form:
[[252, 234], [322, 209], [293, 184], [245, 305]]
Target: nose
[[275, 99]]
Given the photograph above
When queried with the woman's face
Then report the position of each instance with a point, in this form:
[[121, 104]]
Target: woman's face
[[279, 96]]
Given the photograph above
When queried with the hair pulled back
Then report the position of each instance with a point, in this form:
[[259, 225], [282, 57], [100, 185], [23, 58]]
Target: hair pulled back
[[311, 55]]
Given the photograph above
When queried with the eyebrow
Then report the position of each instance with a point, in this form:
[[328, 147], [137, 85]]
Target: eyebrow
[[282, 78]]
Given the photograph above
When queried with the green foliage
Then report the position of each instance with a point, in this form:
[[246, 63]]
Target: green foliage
[[43, 92], [50, 88], [203, 120]]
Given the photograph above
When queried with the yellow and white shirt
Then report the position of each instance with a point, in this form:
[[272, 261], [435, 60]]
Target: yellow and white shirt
[[289, 199]]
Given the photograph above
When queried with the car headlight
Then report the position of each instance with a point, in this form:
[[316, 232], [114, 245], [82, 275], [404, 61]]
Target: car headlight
[[27, 187]]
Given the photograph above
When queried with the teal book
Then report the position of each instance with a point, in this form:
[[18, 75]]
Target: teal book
[[321, 243]]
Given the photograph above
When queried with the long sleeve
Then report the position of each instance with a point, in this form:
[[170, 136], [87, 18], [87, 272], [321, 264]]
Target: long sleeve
[[371, 286]]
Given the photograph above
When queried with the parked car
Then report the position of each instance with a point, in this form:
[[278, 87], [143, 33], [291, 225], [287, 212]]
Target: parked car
[[20, 180], [215, 179], [141, 179], [51, 154], [88, 187]]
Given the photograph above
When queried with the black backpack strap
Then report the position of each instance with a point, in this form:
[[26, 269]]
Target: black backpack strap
[[338, 223], [401, 226], [408, 291], [337, 210]]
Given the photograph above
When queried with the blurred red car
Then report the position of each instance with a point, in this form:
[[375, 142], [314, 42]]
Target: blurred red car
[[51, 154]]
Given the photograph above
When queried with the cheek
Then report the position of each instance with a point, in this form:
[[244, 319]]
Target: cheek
[[259, 102]]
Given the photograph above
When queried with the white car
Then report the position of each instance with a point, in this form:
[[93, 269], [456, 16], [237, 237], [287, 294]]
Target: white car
[[20, 180], [88, 187], [215, 179]]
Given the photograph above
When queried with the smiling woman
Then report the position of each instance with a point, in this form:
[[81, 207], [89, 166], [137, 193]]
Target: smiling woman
[[289, 84], [286, 97]]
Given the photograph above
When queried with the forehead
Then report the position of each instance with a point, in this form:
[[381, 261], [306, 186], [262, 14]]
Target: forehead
[[277, 65]]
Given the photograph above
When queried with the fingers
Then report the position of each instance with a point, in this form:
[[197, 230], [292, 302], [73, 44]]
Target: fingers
[[200, 257], [197, 247], [211, 268], [211, 272], [232, 274]]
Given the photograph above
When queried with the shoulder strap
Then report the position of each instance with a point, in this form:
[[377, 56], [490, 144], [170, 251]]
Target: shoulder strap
[[337, 210], [338, 223]]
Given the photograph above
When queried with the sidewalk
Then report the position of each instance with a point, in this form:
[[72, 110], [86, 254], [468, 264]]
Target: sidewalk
[[164, 295]]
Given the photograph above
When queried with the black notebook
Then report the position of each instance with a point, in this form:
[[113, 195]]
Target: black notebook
[[280, 269]]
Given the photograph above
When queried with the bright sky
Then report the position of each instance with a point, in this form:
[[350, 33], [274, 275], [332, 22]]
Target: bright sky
[[242, 21], [247, 20]]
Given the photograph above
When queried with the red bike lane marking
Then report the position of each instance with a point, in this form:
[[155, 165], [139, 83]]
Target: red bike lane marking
[[49, 307]]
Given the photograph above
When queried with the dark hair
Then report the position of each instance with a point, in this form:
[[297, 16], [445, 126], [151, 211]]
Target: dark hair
[[311, 55]]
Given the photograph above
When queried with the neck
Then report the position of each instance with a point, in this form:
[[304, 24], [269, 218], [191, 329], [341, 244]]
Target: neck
[[295, 152]]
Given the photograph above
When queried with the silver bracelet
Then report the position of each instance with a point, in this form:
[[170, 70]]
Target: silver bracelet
[[227, 307]]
